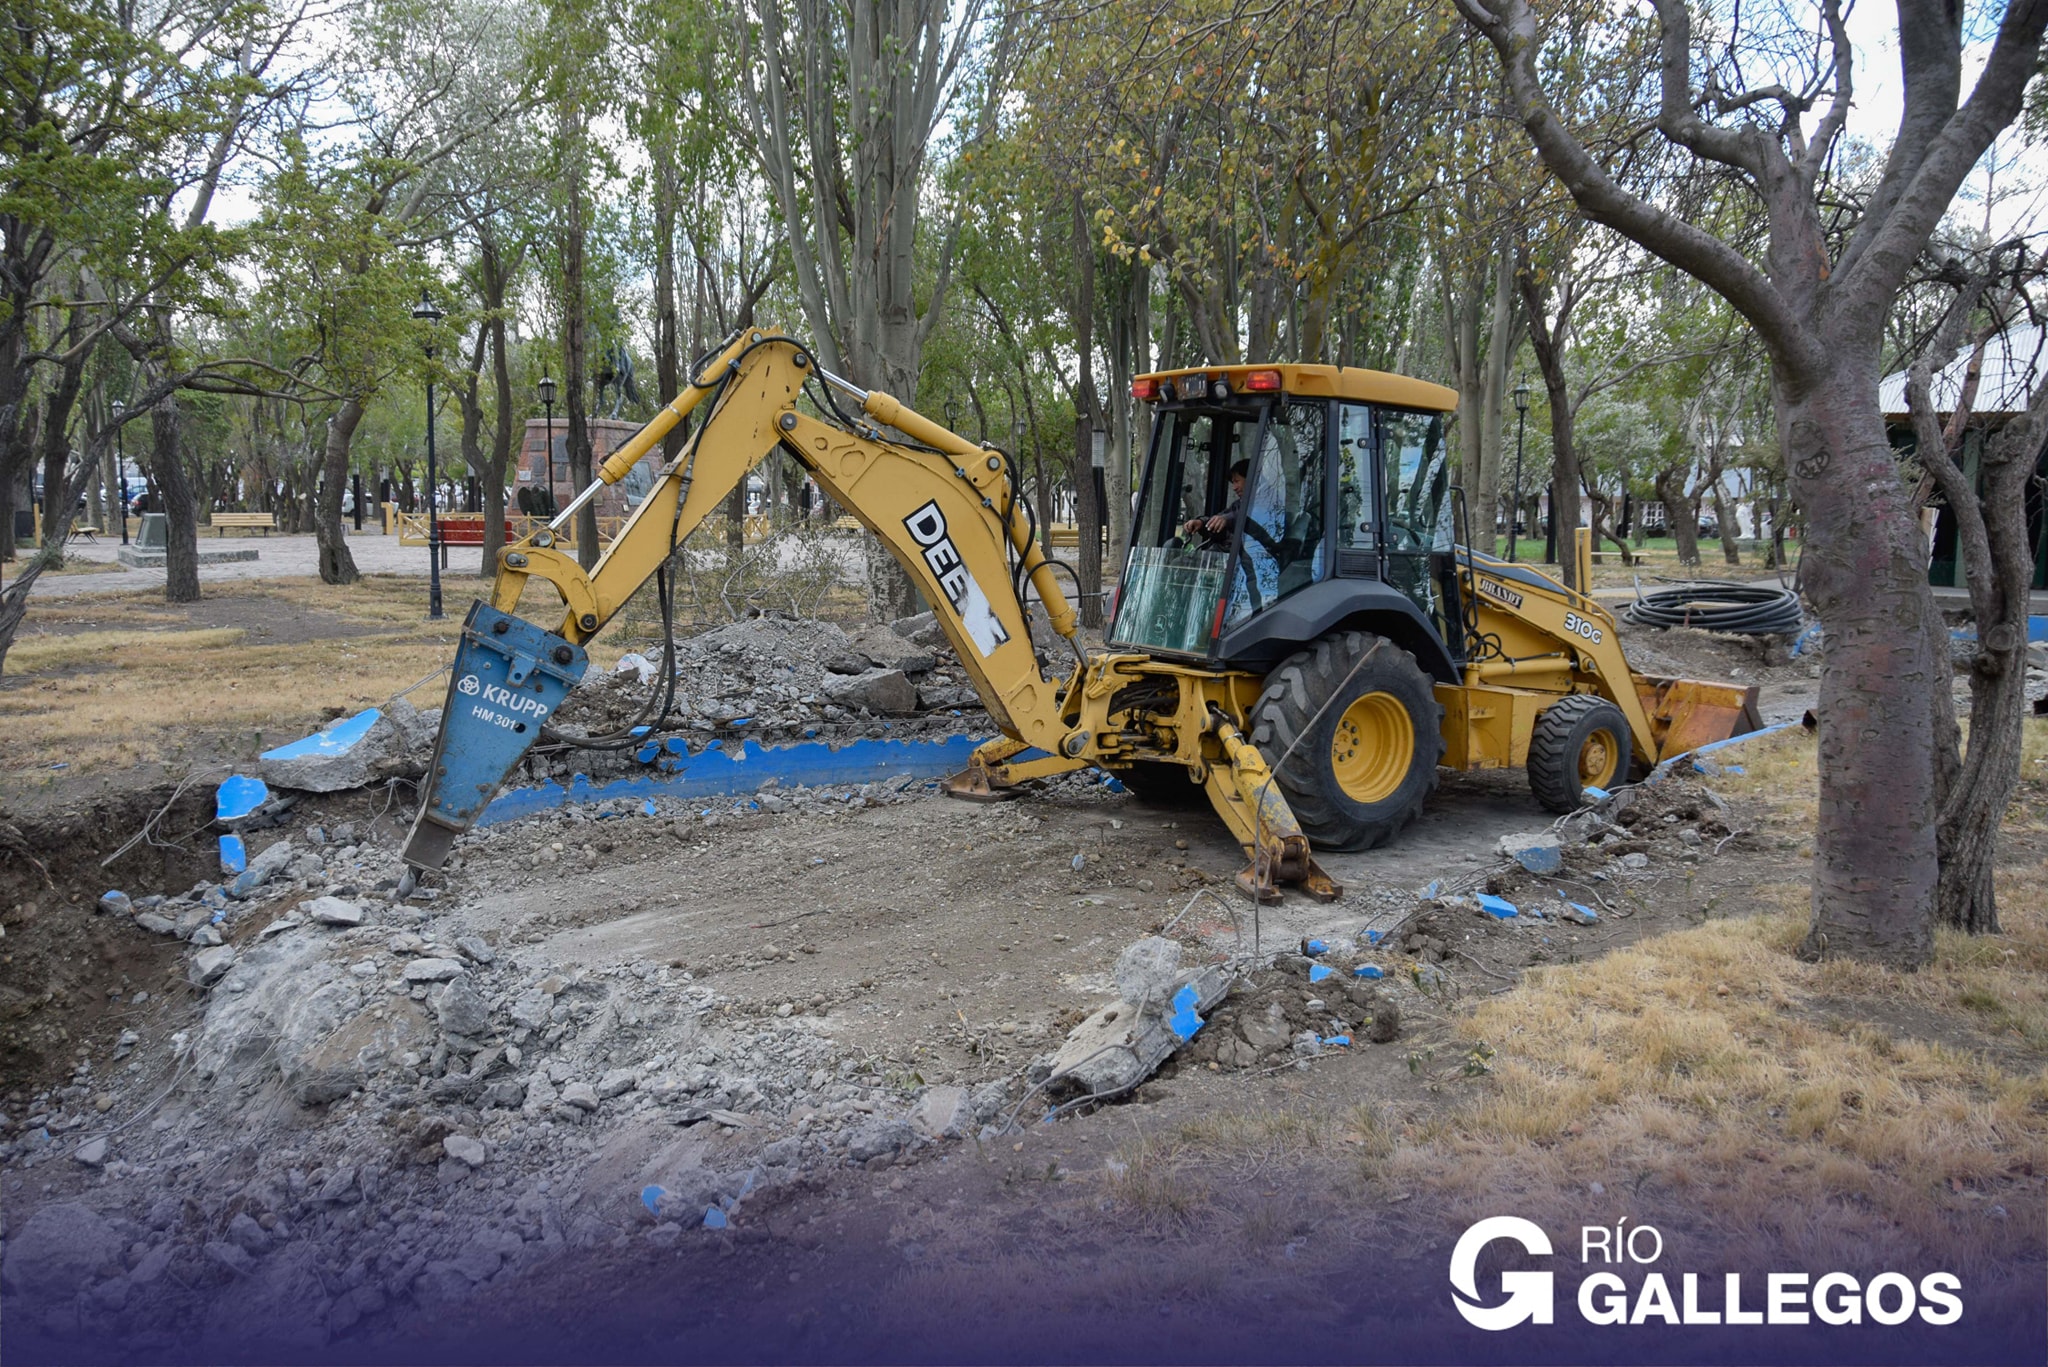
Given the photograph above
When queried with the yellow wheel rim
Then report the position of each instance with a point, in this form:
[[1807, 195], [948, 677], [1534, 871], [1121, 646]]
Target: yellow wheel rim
[[1599, 759], [1372, 748]]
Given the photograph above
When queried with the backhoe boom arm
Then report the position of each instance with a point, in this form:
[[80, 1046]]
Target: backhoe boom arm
[[947, 509]]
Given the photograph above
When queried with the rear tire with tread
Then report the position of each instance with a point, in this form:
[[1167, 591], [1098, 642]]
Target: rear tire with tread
[[1560, 742], [1292, 712]]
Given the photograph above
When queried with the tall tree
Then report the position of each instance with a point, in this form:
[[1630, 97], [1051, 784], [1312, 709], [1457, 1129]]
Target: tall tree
[[1990, 514], [845, 104], [1818, 296], [351, 217]]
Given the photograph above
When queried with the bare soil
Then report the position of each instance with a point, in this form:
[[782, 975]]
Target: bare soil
[[920, 942]]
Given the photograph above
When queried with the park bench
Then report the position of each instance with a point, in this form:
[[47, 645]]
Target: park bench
[[89, 535], [262, 522]]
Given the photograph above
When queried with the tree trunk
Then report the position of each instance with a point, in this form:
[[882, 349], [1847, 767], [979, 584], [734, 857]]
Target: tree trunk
[[1548, 344], [576, 358], [668, 365], [337, 562], [1501, 341], [14, 595], [1462, 345], [469, 398], [181, 512], [106, 492], [891, 595], [1088, 524], [1088, 418], [1875, 856], [57, 408], [1678, 515], [1724, 516], [1973, 795], [1601, 506], [17, 413], [494, 277]]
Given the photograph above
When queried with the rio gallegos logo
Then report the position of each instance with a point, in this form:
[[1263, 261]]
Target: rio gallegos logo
[[1605, 1297]]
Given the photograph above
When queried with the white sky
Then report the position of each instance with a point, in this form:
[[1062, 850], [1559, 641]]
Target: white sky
[[2021, 182]]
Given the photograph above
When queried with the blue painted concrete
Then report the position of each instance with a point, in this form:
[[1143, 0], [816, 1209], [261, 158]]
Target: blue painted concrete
[[335, 740], [238, 796], [715, 771]]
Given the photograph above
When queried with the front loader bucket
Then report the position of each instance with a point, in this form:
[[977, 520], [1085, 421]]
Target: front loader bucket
[[509, 677], [1689, 713]]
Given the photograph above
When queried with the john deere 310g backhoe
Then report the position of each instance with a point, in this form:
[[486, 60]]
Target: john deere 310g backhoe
[[1296, 630]]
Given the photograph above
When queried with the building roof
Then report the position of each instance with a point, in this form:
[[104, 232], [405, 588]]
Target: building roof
[[2015, 366]]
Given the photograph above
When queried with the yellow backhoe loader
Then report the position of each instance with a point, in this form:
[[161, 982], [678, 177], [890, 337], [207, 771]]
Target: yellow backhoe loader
[[1297, 631]]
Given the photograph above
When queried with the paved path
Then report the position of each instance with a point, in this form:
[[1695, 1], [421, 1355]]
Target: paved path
[[279, 557]]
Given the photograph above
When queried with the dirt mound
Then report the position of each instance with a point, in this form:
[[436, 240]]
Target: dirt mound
[[1296, 1008]]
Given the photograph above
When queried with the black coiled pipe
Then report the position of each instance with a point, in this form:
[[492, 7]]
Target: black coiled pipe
[[1717, 605]]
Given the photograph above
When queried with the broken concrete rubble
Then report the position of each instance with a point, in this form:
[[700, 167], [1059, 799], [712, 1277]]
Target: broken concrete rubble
[[272, 861], [209, 966], [332, 760], [886, 691], [1539, 853], [1124, 1043], [333, 911]]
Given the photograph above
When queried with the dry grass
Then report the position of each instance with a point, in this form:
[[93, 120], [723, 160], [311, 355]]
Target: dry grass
[[124, 685], [116, 647], [1704, 1076], [1710, 1073]]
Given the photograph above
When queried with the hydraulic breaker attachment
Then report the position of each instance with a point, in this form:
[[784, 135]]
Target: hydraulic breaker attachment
[[509, 677], [1245, 796], [1688, 713]]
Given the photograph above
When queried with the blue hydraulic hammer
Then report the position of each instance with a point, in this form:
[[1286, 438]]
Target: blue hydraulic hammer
[[509, 677]]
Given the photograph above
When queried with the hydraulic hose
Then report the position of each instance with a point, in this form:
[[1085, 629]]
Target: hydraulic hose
[[1717, 605]]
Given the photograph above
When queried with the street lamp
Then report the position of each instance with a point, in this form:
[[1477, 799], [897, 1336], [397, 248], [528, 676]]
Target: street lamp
[[547, 400], [427, 313], [1521, 421], [121, 465]]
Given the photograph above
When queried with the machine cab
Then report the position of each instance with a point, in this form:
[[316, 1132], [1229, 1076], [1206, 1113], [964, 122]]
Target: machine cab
[[1279, 502]]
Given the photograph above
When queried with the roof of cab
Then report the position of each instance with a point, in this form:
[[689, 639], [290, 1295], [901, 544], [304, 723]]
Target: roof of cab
[[1329, 381]]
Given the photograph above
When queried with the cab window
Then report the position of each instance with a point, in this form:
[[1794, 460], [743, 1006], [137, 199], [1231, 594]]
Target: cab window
[[1283, 546]]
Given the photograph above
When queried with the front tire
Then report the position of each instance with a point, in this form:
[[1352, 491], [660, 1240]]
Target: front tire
[[1581, 741], [1353, 731]]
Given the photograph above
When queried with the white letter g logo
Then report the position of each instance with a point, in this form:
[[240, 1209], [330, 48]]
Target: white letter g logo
[[1528, 1293]]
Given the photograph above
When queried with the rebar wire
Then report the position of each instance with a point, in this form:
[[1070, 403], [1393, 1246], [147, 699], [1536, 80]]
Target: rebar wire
[[148, 831]]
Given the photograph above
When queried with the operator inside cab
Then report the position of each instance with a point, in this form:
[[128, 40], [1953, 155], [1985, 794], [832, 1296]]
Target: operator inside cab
[[1215, 528]]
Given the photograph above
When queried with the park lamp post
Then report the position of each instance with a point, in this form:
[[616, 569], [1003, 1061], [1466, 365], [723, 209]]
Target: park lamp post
[[1521, 421], [427, 313], [547, 401], [121, 465]]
